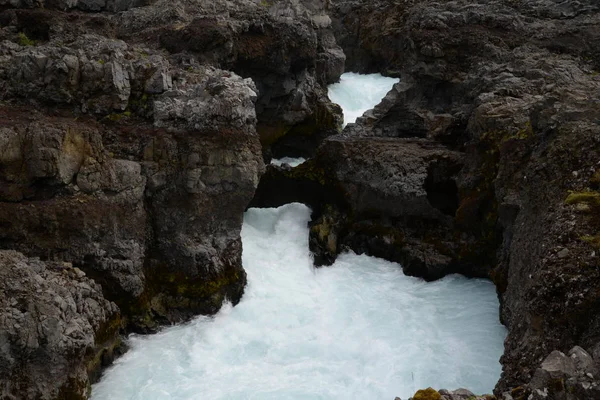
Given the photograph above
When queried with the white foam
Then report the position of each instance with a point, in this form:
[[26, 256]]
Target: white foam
[[357, 93], [357, 330], [292, 162]]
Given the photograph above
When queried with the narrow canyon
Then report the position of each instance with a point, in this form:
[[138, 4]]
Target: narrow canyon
[[299, 199]]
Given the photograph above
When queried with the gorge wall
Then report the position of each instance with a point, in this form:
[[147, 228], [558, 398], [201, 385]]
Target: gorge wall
[[483, 160], [133, 133], [130, 146]]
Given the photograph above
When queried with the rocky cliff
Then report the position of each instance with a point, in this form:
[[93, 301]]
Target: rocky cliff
[[482, 160], [130, 146], [512, 86], [132, 137]]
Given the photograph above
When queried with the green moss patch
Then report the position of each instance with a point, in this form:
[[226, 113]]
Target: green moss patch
[[427, 394], [23, 40], [593, 241], [595, 179], [118, 117], [588, 197], [308, 170]]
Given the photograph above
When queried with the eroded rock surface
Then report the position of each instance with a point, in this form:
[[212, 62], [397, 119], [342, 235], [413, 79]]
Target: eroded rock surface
[[121, 211], [56, 328], [135, 169], [286, 47], [129, 148]]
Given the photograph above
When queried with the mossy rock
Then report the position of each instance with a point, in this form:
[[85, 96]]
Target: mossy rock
[[201, 288], [270, 134], [24, 40], [589, 197], [309, 171], [427, 394], [75, 389], [593, 241]]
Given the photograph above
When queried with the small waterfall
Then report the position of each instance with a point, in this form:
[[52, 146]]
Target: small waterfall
[[357, 93]]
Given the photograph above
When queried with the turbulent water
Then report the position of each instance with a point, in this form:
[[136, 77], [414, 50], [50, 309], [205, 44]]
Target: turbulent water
[[357, 93], [357, 330], [292, 162]]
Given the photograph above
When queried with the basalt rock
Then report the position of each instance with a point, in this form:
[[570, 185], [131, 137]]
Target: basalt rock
[[119, 212], [513, 87], [286, 47], [390, 188], [84, 5], [56, 329], [132, 169], [560, 376]]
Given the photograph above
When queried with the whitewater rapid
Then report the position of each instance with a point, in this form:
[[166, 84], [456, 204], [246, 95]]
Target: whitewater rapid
[[291, 161], [357, 93], [360, 329]]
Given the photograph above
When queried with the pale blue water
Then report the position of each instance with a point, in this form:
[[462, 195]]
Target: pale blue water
[[360, 329], [357, 93]]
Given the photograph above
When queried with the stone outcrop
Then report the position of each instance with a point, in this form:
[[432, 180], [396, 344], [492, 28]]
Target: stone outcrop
[[563, 376], [560, 376], [131, 169], [142, 215], [387, 190], [286, 47], [390, 200], [132, 136], [508, 93], [513, 87], [57, 329]]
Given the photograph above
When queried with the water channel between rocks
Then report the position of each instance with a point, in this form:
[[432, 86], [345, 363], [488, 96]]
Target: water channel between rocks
[[359, 329]]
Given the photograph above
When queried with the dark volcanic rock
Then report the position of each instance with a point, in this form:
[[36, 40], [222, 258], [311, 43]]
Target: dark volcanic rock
[[514, 87], [286, 47], [130, 146], [127, 150], [380, 196], [124, 220], [55, 329], [132, 169], [394, 205], [560, 376]]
